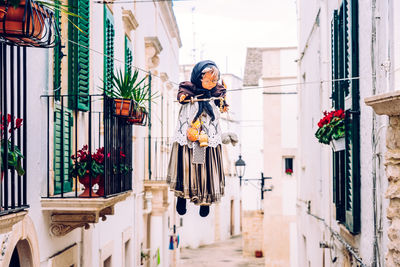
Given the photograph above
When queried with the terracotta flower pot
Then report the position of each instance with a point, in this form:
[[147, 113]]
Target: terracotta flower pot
[[138, 116], [123, 107], [100, 191], [85, 181], [24, 26]]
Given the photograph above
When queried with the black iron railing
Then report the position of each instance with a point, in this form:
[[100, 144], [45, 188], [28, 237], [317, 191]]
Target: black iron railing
[[13, 99], [98, 131], [157, 153]]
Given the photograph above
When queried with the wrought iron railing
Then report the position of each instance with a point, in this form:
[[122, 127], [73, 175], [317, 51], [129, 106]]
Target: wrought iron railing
[[69, 131], [157, 153], [13, 100]]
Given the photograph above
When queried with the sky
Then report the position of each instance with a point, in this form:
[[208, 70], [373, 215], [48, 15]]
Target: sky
[[221, 30]]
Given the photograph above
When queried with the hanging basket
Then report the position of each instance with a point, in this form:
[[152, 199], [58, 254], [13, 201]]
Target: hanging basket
[[338, 144], [138, 117], [29, 24]]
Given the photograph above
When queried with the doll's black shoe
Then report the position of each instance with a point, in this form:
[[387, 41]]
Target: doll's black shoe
[[181, 206], [204, 211]]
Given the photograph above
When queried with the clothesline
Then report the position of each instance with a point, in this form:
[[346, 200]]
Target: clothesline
[[200, 100], [235, 89]]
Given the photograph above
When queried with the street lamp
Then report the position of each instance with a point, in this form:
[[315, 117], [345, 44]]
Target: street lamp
[[240, 168]]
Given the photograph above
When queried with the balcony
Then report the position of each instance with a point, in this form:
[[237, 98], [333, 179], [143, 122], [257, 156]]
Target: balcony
[[13, 99], [156, 166], [89, 166]]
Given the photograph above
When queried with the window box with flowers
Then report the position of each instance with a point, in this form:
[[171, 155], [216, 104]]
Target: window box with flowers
[[289, 171], [331, 130]]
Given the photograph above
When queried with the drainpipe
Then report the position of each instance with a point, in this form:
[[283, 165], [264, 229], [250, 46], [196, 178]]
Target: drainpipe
[[374, 132], [149, 126]]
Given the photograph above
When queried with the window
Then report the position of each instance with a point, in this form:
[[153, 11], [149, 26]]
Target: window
[[127, 254], [62, 149], [128, 54], [107, 262], [288, 165], [78, 55], [345, 95], [58, 55], [109, 34]]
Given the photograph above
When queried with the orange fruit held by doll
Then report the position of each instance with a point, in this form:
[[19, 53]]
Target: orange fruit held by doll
[[193, 131]]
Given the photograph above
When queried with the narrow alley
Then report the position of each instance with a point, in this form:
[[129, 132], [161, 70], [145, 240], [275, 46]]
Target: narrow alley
[[221, 254]]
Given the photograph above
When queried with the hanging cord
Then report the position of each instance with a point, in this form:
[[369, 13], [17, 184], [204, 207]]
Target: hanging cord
[[200, 100], [138, 1], [116, 59], [235, 89]]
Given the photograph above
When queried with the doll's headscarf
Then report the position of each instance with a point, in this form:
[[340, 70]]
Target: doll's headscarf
[[197, 71], [196, 80]]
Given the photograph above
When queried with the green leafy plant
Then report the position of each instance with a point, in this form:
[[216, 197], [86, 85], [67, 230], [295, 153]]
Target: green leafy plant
[[14, 154], [86, 164], [126, 85], [331, 126], [122, 168]]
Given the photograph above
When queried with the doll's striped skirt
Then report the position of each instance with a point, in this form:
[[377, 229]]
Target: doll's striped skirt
[[202, 184]]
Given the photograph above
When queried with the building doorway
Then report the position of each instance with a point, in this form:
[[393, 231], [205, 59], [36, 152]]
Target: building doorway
[[15, 259]]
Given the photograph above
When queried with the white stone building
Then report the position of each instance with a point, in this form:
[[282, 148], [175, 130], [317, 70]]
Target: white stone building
[[269, 73], [42, 221], [344, 218]]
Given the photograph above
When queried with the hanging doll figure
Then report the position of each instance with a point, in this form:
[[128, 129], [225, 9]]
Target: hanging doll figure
[[195, 170]]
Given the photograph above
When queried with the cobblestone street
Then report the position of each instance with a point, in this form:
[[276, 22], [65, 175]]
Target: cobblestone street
[[222, 254]]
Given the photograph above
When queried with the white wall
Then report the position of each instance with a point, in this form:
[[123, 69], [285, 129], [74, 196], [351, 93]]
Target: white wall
[[316, 163], [127, 213]]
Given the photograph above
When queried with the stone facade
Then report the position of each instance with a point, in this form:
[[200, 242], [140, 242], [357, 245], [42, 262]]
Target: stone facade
[[253, 68], [389, 104], [253, 232]]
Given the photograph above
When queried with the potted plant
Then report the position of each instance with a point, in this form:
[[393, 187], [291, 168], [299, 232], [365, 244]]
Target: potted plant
[[88, 169], [30, 22], [14, 154], [289, 171], [130, 95], [123, 86], [141, 95], [331, 129], [123, 169]]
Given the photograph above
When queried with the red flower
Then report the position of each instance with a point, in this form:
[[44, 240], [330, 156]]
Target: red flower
[[329, 116], [289, 171], [121, 154], [18, 123]]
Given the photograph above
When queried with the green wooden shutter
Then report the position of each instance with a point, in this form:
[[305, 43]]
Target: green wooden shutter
[[109, 34], [62, 149], [57, 58], [352, 107], [78, 56], [128, 55], [338, 102]]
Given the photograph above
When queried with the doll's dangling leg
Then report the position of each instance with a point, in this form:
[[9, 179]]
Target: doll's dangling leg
[[204, 211], [181, 206]]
